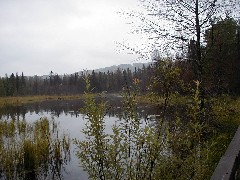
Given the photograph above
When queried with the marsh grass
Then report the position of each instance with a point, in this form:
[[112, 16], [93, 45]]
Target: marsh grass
[[155, 99], [20, 100], [32, 150]]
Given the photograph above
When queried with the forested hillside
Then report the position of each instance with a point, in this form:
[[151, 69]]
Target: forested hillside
[[111, 81]]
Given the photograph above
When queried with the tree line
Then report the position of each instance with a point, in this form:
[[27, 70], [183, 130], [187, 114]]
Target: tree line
[[220, 71], [220, 66], [55, 84]]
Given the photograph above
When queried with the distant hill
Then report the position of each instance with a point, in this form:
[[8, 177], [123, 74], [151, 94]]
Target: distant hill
[[110, 69], [123, 67]]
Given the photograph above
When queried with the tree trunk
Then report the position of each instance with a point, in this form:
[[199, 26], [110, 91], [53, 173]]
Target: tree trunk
[[199, 69]]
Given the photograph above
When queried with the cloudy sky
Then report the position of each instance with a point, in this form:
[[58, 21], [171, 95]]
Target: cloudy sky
[[63, 36]]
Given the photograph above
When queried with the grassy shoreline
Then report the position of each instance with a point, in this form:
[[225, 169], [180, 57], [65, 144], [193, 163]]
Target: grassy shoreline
[[225, 111], [20, 100]]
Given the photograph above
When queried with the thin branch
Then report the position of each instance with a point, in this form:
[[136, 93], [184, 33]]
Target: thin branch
[[187, 6]]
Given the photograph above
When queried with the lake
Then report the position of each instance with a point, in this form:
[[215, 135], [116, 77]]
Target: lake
[[66, 114]]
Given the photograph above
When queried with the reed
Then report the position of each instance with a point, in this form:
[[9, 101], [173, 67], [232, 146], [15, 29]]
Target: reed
[[32, 150]]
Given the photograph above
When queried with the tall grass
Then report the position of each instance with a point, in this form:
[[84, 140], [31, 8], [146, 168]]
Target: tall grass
[[32, 150]]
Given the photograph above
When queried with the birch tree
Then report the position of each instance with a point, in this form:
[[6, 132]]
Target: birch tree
[[171, 24]]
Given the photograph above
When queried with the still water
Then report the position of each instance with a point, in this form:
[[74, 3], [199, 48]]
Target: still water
[[69, 120]]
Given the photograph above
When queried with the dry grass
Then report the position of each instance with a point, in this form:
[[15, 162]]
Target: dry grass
[[19, 100], [157, 100]]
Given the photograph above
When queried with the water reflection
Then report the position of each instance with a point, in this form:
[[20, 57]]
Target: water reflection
[[47, 162], [68, 107], [32, 150]]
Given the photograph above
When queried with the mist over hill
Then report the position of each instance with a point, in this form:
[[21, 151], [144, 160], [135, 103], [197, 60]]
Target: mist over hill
[[123, 67], [113, 68]]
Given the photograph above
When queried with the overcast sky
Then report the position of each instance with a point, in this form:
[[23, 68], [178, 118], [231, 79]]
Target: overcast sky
[[63, 36]]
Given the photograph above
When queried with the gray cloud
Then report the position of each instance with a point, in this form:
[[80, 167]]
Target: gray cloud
[[37, 36]]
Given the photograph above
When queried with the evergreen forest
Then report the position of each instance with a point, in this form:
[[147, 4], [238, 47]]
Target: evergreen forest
[[196, 92], [220, 71]]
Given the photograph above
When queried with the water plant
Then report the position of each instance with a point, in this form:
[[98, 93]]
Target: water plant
[[32, 150]]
